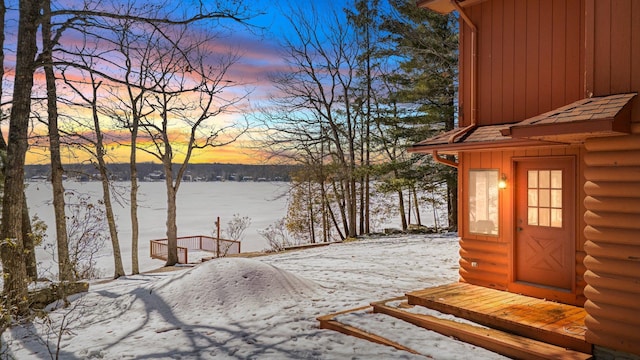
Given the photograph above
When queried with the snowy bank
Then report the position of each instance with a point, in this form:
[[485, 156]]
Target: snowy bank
[[259, 308]]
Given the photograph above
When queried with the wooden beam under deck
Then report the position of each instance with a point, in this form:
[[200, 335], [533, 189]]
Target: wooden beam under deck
[[550, 322]]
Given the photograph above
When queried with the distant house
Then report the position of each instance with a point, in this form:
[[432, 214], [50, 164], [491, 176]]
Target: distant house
[[548, 155]]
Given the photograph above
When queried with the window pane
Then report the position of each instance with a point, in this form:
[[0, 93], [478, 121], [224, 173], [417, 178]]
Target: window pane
[[533, 197], [556, 198], [556, 217], [544, 200], [483, 202], [544, 179], [532, 216], [556, 179], [544, 217], [532, 179]]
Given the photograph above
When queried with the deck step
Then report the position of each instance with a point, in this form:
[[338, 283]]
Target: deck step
[[330, 323], [501, 342]]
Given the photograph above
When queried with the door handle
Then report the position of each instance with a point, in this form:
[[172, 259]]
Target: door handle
[[519, 228]]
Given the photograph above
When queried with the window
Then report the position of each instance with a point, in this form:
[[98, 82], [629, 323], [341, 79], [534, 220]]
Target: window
[[483, 202], [544, 198]]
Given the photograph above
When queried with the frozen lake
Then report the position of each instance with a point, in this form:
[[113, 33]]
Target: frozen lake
[[199, 203]]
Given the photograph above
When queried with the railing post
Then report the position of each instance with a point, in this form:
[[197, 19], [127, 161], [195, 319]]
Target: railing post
[[218, 239]]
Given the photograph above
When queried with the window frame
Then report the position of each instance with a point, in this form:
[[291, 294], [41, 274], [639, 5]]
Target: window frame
[[491, 198]]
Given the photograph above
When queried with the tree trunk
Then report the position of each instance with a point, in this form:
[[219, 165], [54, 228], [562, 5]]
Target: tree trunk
[[351, 200], [135, 267], [403, 215], [416, 205], [31, 264], [111, 221], [65, 272], [172, 227], [312, 223], [12, 246], [106, 192]]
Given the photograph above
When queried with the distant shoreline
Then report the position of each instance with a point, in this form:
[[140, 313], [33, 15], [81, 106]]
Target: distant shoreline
[[154, 172]]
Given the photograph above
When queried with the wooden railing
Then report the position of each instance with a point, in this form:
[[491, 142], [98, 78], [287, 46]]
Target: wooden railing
[[218, 247]]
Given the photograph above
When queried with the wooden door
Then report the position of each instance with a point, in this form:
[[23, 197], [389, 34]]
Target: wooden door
[[545, 222]]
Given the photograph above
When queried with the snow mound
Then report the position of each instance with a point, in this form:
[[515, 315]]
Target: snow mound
[[232, 286]]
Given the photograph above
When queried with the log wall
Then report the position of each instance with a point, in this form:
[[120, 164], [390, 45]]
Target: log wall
[[612, 233]]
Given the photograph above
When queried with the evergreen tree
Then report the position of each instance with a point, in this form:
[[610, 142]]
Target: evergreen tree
[[425, 46]]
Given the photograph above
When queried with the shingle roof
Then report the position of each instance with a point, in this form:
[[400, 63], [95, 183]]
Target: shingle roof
[[598, 114], [570, 123]]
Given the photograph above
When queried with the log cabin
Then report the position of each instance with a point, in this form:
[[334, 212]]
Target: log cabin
[[548, 156]]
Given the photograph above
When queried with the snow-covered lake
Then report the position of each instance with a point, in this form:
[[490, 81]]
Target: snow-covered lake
[[199, 204]]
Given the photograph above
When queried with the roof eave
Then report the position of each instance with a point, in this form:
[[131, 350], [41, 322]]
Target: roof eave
[[453, 148], [577, 130], [445, 6]]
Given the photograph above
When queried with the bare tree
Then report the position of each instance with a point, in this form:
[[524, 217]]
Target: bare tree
[[318, 106], [74, 17], [12, 245], [134, 42], [95, 145], [64, 268], [189, 94]]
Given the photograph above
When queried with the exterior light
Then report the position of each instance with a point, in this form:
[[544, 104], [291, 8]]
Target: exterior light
[[502, 184]]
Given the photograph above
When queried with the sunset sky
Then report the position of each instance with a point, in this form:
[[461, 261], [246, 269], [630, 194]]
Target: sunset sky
[[261, 55]]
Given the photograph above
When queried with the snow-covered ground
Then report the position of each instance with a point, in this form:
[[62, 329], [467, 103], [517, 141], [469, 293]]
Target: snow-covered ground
[[255, 308]]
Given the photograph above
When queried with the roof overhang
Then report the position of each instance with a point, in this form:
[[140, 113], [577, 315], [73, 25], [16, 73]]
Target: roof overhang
[[445, 6], [481, 138], [570, 124], [574, 123]]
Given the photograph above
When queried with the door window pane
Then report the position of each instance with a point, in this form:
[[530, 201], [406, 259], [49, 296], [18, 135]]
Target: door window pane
[[544, 198], [483, 202]]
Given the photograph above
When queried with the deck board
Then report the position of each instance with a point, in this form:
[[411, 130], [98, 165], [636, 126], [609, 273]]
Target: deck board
[[548, 321]]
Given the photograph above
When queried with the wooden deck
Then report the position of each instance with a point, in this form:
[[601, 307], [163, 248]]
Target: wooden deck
[[517, 326], [546, 321]]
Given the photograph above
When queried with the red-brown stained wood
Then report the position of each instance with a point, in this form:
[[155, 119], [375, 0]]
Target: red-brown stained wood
[[614, 189], [617, 220], [621, 330], [613, 204], [615, 143], [498, 341], [613, 245], [615, 282], [527, 316], [613, 341], [609, 235], [620, 41], [602, 47], [527, 63], [547, 33], [615, 42], [559, 26], [615, 267], [619, 313], [611, 174], [535, 56], [613, 158], [635, 54]]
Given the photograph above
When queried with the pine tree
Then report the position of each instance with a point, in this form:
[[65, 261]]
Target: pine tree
[[425, 45]]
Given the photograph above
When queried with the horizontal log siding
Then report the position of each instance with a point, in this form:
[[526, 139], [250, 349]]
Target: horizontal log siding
[[493, 255], [530, 58], [612, 231]]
